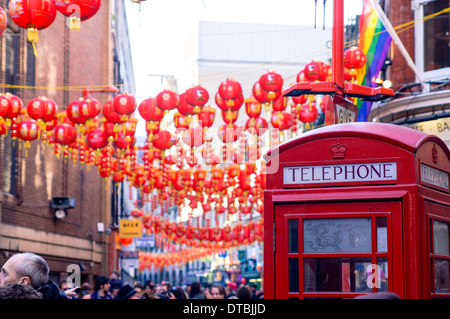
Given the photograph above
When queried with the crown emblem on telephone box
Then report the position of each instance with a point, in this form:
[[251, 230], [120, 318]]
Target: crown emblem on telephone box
[[338, 150]]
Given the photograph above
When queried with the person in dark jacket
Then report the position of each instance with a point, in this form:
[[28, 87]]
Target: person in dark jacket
[[30, 269], [101, 288]]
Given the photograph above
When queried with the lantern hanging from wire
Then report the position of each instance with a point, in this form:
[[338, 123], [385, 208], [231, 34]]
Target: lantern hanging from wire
[[27, 130], [197, 96], [32, 15], [167, 100], [124, 104], [77, 10]]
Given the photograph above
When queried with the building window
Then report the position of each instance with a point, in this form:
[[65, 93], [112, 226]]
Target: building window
[[11, 71], [436, 36]]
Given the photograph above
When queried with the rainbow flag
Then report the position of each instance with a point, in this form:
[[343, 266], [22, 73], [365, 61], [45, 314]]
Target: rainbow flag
[[374, 41]]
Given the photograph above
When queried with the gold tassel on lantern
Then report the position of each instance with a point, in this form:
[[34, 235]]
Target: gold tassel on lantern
[[33, 37], [74, 23]]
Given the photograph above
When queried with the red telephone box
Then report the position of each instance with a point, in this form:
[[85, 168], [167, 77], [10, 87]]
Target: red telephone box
[[357, 208]]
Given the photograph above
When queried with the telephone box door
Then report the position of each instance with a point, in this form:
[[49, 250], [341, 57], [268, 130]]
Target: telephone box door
[[338, 249]]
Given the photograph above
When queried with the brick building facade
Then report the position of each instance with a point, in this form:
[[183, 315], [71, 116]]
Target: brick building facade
[[66, 61]]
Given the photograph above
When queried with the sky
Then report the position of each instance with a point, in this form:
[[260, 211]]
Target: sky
[[156, 28]]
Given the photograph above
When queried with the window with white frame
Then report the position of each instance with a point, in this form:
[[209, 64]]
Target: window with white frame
[[433, 38]]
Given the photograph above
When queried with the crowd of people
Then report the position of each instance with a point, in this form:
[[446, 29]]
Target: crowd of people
[[26, 276]]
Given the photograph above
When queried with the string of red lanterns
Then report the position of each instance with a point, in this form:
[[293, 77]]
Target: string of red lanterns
[[103, 136]]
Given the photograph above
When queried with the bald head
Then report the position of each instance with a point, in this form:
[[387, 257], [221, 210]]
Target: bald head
[[25, 268]]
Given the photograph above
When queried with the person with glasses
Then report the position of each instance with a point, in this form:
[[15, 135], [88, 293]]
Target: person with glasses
[[67, 288]]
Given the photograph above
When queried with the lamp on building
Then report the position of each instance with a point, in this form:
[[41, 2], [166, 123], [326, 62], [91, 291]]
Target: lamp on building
[[60, 205]]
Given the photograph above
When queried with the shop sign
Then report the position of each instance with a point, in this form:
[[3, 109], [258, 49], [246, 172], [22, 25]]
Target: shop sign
[[130, 228]]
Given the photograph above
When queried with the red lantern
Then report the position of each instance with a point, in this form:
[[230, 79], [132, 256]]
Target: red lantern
[[263, 96], [230, 89], [27, 130], [280, 104], [65, 134], [231, 104], [152, 127], [315, 71], [257, 126], [299, 99], [32, 15], [52, 109], [110, 114], [308, 113], [74, 111], [163, 140], [230, 117], [124, 104], [149, 111], [281, 120], [167, 100], [181, 122], [17, 104], [78, 10], [206, 117], [37, 108], [3, 20], [126, 241], [354, 58], [271, 81], [183, 106], [91, 108], [6, 106], [96, 138], [197, 96], [252, 107], [3, 128], [123, 141]]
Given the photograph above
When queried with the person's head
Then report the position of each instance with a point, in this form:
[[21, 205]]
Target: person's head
[[19, 291], [127, 292], [102, 283], [85, 291], [196, 289], [243, 293], [25, 268], [115, 285], [114, 274], [208, 291], [139, 289], [176, 293], [218, 291], [166, 286], [64, 285]]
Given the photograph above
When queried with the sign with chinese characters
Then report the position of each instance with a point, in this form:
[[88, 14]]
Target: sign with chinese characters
[[130, 228], [339, 173]]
